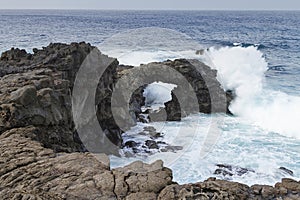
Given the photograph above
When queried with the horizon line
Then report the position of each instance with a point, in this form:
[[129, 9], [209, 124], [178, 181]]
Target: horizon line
[[89, 9]]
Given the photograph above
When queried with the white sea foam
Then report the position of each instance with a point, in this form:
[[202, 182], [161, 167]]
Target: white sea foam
[[254, 138], [242, 69], [157, 94], [248, 140], [241, 144]]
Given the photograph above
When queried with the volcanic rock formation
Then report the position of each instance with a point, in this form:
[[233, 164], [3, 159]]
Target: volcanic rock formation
[[43, 155]]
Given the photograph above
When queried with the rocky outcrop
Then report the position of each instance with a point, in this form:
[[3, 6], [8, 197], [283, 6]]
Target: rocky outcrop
[[140, 180], [36, 89], [39, 98], [42, 156], [287, 171], [150, 142], [198, 90], [30, 171], [211, 97], [229, 170], [221, 189]]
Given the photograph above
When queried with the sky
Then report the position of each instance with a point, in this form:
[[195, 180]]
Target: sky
[[153, 4]]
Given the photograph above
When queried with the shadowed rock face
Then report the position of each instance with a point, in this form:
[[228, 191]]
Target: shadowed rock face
[[211, 98], [42, 156], [198, 90], [36, 89]]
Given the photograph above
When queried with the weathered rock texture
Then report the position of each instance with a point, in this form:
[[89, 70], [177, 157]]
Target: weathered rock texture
[[30, 171], [35, 89], [198, 89], [221, 189], [210, 95], [43, 158]]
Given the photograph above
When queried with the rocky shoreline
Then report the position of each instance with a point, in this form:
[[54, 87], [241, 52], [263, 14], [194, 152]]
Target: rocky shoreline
[[44, 157]]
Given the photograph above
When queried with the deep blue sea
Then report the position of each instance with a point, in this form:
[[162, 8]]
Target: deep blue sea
[[256, 53]]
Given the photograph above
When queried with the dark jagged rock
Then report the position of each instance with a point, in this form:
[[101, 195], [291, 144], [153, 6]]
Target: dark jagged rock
[[173, 110], [172, 148], [131, 144], [135, 105], [137, 99], [39, 98], [203, 94], [41, 152], [198, 90], [229, 170], [152, 132], [151, 144], [35, 89], [149, 129], [288, 171], [158, 115]]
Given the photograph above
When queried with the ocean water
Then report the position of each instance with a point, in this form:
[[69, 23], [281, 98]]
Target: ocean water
[[256, 54]]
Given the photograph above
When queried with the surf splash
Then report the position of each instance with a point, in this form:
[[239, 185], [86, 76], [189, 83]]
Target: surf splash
[[243, 70], [263, 134]]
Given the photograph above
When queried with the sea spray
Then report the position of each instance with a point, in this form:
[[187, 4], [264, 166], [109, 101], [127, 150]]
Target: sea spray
[[248, 139], [243, 70]]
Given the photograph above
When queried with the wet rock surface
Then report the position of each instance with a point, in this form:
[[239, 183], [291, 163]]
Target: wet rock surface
[[288, 171], [198, 90], [42, 156], [229, 170], [210, 96], [148, 142]]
